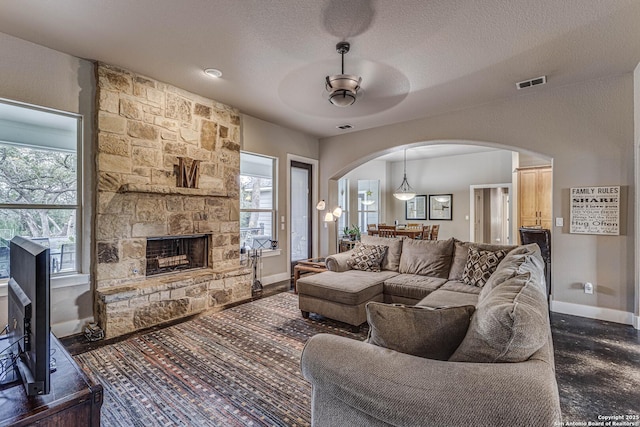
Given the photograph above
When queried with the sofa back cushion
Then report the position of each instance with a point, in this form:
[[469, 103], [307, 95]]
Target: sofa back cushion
[[461, 254], [523, 259], [419, 331], [510, 324], [426, 257], [391, 259]]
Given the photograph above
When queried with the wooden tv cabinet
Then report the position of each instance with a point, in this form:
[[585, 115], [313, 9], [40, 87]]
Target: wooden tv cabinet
[[74, 399]]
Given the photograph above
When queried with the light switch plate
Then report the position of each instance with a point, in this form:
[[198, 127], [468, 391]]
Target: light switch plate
[[559, 222]]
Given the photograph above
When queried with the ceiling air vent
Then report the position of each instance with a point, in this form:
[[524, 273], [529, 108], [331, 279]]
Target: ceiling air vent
[[345, 126], [533, 82]]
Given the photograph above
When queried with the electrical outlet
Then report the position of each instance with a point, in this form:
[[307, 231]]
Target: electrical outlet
[[588, 288]]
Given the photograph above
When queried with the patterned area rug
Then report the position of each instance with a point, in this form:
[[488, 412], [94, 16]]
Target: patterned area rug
[[238, 367]]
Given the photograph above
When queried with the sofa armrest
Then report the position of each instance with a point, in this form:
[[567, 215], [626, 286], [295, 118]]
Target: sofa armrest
[[355, 383], [338, 262]]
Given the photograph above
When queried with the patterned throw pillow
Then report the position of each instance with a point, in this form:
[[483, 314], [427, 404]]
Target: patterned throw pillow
[[367, 257], [481, 265]]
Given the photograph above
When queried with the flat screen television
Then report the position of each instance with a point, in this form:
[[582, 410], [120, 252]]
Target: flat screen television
[[29, 313]]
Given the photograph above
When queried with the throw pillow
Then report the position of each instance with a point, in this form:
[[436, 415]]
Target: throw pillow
[[509, 325], [391, 260], [367, 257], [419, 331], [480, 266]]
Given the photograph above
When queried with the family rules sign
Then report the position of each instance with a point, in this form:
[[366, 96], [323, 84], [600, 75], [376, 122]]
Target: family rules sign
[[595, 210]]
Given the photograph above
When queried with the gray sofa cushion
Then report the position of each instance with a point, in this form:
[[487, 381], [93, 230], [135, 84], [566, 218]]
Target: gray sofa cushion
[[510, 324], [461, 253], [456, 286], [391, 260], [419, 331], [426, 257], [446, 298], [411, 285], [523, 259], [350, 287]]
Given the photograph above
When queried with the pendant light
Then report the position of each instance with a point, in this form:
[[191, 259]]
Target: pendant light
[[404, 192], [368, 201]]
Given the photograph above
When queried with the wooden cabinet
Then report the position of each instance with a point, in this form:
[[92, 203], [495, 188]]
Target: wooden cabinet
[[534, 197], [74, 399]]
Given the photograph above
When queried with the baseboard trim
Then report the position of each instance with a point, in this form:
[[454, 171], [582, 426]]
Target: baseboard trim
[[636, 322], [599, 313], [275, 278]]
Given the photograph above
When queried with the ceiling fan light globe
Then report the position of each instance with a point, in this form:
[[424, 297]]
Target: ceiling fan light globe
[[343, 89]]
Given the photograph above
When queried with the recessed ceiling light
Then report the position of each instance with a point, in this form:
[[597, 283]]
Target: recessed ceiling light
[[213, 72]]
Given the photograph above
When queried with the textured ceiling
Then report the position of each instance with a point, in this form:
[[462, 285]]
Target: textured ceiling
[[417, 58]]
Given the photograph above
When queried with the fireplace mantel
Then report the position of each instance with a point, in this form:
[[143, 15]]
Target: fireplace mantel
[[165, 189]]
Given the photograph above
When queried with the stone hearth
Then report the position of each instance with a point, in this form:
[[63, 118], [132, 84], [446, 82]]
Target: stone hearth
[[143, 127]]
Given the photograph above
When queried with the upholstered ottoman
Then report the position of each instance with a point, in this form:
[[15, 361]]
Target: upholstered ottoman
[[341, 296]]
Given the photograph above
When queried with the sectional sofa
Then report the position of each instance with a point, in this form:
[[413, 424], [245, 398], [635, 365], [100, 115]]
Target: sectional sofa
[[412, 271], [454, 352]]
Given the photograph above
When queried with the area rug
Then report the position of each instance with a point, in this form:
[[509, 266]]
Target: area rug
[[238, 367]]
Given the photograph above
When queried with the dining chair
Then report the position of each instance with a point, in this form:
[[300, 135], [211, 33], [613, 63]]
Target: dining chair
[[434, 232], [387, 230], [426, 232]]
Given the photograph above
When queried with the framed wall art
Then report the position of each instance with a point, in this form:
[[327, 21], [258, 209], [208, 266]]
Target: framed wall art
[[416, 208], [440, 207]]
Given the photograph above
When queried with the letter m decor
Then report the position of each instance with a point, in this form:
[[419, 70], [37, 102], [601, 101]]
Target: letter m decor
[[188, 176]]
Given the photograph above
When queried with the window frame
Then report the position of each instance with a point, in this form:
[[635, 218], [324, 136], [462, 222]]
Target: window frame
[[78, 206], [274, 196], [363, 214]]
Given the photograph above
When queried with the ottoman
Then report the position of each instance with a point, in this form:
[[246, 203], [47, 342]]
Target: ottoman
[[341, 296]]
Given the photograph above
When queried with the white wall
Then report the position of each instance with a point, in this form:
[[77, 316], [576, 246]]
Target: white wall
[[636, 110], [261, 137], [37, 75], [586, 128]]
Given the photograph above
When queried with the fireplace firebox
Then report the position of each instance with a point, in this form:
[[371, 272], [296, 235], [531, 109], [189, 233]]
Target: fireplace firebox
[[176, 253]]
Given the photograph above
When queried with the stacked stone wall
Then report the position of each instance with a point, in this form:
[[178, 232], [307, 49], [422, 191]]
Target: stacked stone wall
[[143, 127]]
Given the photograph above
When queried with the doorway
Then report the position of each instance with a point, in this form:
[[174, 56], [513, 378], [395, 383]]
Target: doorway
[[491, 214], [301, 231]]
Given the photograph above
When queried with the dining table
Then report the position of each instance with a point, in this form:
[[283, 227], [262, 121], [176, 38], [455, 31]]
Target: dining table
[[409, 232]]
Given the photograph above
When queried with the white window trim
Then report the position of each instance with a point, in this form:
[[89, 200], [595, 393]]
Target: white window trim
[[267, 252], [79, 185]]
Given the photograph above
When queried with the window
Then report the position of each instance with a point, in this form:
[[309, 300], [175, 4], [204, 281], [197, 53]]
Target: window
[[368, 202], [39, 182], [257, 201], [343, 202]]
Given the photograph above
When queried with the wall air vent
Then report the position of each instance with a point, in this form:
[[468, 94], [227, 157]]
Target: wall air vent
[[345, 126], [533, 82]]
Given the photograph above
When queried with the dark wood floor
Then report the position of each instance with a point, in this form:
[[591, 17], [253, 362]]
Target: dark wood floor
[[597, 368], [597, 364]]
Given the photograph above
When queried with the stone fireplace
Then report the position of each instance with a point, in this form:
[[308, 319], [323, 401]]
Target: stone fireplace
[[149, 227], [176, 253]]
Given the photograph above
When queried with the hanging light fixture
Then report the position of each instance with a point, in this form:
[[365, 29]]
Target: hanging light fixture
[[404, 192], [342, 88], [368, 201]]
